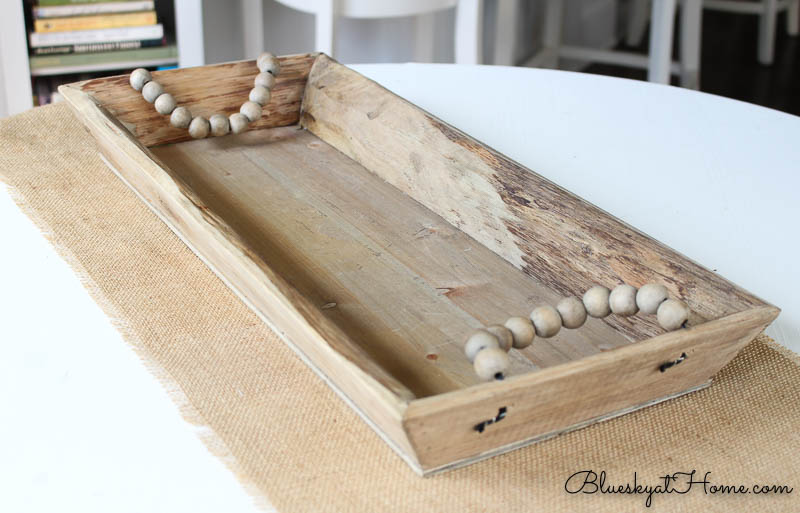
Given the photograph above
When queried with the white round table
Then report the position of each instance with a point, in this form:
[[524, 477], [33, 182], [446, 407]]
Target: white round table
[[714, 178]]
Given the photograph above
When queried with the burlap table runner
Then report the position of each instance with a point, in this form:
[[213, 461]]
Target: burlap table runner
[[292, 440]]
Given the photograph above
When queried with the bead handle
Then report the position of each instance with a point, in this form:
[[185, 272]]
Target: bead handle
[[217, 125], [487, 348]]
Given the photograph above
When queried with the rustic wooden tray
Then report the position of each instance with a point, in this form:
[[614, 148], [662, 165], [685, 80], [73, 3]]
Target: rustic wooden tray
[[374, 237]]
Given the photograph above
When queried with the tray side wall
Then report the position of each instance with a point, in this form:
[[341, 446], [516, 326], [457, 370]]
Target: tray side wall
[[542, 229], [574, 395], [546, 436], [206, 90], [380, 398]]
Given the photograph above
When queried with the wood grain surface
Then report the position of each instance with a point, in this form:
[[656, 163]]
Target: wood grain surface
[[551, 401], [401, 282], [206, 90], [374, 393], [562, 241]]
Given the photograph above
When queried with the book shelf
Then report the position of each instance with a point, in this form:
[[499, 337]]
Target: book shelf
[[24, 77]]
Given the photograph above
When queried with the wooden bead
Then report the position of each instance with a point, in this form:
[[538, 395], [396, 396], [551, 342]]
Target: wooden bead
[[139, 77], [546, 321], [267, 62], [252, 110], [165, 104], [260, 95], [650, 296], [238, 122], [596, 301], [522, 332], [503, 334], [672, 314], [491, 363], [265, 79], [477, 341], [180, 117], [199, 127], [572, 312], [151, 91], [622, 300], [219, 125]]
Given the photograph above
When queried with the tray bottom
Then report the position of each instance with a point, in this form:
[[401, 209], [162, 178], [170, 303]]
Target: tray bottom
[[403, 283]]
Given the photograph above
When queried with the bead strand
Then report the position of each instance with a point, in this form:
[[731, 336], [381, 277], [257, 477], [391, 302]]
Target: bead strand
[[488, 348], [217, 125]]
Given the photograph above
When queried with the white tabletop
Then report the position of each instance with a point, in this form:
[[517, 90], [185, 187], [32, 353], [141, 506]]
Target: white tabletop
[[714, 178]]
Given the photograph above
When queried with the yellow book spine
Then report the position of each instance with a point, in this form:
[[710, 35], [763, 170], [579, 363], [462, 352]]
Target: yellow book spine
[[104, 21]]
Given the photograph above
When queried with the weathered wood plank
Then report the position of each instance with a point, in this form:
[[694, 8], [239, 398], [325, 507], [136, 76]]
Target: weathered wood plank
[[397, 319], [400, 281], [552, 235], [378, 396], [450, 262], [206, 90], [441, 428]]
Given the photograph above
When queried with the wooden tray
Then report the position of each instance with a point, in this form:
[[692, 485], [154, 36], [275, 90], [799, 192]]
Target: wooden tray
[[374, 237]]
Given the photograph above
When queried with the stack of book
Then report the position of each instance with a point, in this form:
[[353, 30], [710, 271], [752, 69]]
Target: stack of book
[[86, 36]]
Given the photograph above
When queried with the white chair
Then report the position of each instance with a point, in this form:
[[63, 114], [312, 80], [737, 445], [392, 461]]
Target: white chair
[[469, 22], [658, 63], [767, 11]]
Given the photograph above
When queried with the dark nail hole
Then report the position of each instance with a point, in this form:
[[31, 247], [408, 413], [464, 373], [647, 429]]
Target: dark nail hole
[[666, 365], [481, 426], [501, 414], [499, 376]]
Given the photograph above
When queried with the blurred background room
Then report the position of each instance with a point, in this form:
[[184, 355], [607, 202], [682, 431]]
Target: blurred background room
[[742, 49]]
